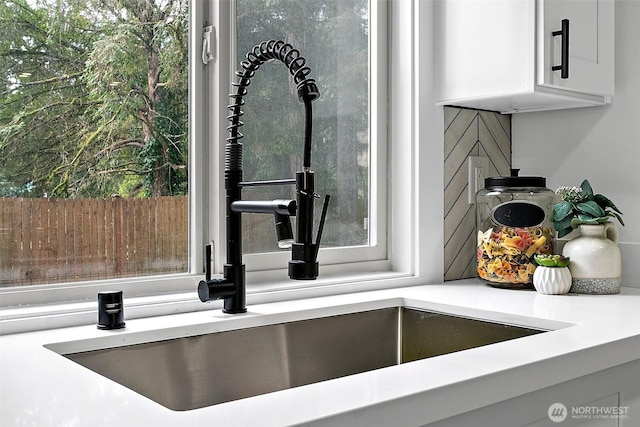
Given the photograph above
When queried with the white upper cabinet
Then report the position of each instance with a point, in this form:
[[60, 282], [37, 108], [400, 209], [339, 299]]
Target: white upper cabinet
[[590, 44], [524, 55]]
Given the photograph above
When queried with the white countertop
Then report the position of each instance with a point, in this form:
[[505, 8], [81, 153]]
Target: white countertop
[[589, 333]]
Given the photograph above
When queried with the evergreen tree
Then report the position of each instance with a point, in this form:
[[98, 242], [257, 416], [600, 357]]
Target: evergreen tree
[[94, 97]]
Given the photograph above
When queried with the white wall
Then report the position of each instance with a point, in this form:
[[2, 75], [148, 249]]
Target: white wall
[[601, 144]]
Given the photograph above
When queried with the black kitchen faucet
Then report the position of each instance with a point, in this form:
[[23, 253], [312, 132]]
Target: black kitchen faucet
[[304, 252]]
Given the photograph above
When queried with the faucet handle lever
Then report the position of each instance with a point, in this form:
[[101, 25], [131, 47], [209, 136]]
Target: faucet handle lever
[[207, 262], [323, 216]]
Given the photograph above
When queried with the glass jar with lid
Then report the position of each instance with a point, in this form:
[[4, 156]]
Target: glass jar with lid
[[513, 223]]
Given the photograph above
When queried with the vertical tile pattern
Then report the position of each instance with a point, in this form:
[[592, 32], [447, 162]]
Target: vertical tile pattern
[[468, 133]]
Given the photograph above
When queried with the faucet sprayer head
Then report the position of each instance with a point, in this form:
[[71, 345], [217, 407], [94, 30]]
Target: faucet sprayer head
[[308, 90], [284, 232]]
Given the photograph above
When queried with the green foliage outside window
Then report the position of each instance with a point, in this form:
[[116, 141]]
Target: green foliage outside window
[[94, 103], [93, 98]]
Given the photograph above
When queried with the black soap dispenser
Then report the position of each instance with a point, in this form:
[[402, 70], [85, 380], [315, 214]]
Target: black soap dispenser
[[110, 310]]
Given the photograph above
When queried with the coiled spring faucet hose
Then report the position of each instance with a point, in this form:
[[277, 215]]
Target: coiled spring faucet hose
[[307, 92]]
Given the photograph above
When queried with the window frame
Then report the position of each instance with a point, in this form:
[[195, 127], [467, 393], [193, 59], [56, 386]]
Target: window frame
[[410, 218]]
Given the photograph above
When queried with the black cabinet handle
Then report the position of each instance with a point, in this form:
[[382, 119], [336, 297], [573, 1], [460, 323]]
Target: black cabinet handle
[[564, 63]]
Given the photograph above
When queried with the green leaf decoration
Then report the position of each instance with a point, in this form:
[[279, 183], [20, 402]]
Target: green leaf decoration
[[587, 219], [583, 219], [604, 202], [593, 210], [545, 261], [551, 260], [590, 208], [618, 217], [561, 210], [586, 189], [565, 223], [563, 232]]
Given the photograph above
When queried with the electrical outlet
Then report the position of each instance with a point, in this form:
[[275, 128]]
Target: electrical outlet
[[478, 170]]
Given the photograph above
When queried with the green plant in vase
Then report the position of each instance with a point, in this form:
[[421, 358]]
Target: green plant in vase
[[552, 276], [557, 261], [579, 205], [596, 262]]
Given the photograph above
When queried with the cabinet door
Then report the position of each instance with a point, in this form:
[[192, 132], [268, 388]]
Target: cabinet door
[[591, 45]]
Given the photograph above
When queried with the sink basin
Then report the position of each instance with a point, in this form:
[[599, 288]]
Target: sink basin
[[202, 370]]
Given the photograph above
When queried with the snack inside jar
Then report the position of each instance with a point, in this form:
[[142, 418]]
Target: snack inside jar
[[505, 255]]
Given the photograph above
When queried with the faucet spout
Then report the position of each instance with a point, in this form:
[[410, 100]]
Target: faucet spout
[[303, 264]]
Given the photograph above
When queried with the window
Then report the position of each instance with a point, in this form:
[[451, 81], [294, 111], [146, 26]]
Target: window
[[113, 127], [93, 140]]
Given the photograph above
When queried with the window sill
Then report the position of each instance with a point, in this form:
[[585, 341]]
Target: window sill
[[51, 316]]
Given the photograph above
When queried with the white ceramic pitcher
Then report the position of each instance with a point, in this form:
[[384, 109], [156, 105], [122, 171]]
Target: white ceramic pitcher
[[596, 264]]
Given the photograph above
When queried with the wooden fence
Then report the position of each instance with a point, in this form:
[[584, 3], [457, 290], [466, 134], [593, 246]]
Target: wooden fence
[[62, 240]]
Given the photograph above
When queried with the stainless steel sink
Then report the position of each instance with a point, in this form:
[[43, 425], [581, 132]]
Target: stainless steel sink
[[198, 371]]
